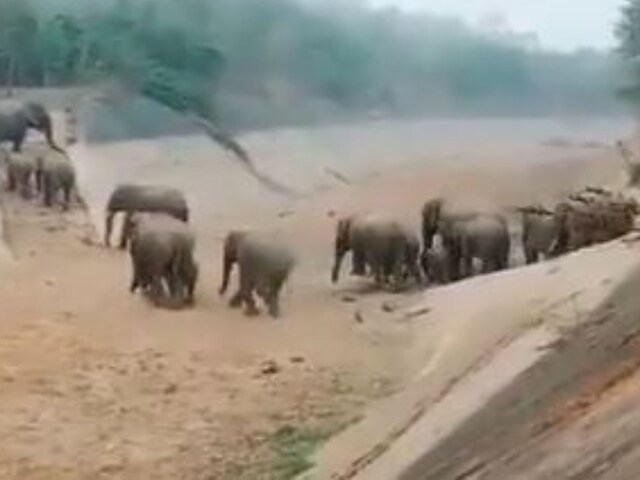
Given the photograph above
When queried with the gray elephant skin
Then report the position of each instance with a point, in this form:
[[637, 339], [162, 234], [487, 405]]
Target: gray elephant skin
[[467, 235], [20, 170], [264, 265], [435, 263], [56, 176], [131, 198], [15, 124], [384, 245], [539, 233], [162, 255]]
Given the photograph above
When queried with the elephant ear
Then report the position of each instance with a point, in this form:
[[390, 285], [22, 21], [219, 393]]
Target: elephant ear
[[36, 115]]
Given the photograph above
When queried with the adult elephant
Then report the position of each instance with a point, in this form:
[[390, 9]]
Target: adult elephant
[[15, 124], [162, 250], [131, 198], [539, 233], [467, 235], [264, 265], [382, 244]]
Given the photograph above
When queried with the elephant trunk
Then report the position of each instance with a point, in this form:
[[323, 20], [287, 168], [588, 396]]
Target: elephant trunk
[[226, 273], [108, 227], [47, 129], [335, 272]]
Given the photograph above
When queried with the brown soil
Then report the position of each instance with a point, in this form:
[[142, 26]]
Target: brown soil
[[96, 383]]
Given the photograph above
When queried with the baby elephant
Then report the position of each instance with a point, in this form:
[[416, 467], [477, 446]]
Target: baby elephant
[[162, 250], [20, 170], [264, 265], [55, 175]]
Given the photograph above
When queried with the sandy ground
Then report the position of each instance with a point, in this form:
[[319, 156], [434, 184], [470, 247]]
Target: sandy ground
[[97, 383]]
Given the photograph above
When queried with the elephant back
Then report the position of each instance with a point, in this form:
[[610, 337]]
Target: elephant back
[[267, 252], [23, 160], [146, 198], [162, 233]]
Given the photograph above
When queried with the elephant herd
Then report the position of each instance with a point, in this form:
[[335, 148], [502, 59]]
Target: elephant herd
[[453, 242], [391, 253], [161, 246], [46, 172]]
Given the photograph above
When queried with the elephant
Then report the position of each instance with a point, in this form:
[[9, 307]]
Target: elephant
[[539, 232], [130, 198], [384, 245], [436, 264], [162, 249], [583, 221], [467, 235], [264, 265], [14, 125], [411, 267], [55, 174], [20, 170]]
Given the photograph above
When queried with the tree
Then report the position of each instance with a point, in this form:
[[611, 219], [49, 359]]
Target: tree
[[628, 34]]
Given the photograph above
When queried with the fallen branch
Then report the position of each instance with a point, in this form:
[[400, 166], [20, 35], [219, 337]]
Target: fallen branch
[[337, 175]]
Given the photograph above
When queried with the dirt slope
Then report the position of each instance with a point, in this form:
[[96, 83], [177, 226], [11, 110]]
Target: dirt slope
[[97, 383]]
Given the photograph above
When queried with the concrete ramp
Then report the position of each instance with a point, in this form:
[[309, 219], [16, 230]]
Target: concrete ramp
[[469, 352]]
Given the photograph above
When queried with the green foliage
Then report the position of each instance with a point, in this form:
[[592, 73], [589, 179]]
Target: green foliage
[[278, 61], [628, 34], [293, 448]]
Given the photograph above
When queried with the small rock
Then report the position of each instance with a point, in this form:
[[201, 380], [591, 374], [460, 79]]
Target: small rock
[[111, 469], [358, 317], [269, 367], [389, 307], [170, 389], [297, 359], [418, 312], [286, 213], [49, 282], [553, 270], [331, 213], [349, 299], [86, 240]]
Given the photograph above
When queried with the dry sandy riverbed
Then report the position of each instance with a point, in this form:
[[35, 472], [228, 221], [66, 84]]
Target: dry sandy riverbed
[[96, 383]]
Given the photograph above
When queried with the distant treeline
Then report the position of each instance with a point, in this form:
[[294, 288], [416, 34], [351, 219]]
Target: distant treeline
[[264, 62]]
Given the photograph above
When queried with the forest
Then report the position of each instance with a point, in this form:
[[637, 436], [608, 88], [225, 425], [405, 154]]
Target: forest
[[259, 63]]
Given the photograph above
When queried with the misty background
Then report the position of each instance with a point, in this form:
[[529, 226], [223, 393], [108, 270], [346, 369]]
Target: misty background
[[250, 64]]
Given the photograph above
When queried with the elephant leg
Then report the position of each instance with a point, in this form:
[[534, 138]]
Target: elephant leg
[[236, 300], [358, 262], [126, 231], [273, 297], [156, 291], [11, 180], [466, 259], [38, 179], [48, 192], [135, 277], [379, 274], [396, 273], [530, 255], [247, 287], [489, 265], [67, 198]]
